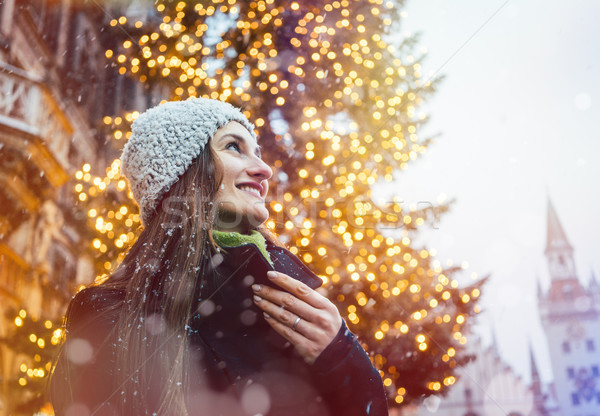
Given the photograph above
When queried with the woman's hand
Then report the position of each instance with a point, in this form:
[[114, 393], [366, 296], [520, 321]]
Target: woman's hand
[[304, 317]]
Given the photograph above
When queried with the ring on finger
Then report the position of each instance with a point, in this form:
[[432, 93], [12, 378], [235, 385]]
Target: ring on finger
[[295, 326]]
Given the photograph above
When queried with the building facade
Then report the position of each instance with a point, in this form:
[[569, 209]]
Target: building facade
[[570, 315], [487, 386], [56, 85]]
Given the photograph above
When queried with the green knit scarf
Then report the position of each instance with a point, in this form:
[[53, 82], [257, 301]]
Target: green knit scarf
[[233, 239]]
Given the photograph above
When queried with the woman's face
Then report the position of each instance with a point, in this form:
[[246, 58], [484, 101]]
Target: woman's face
[[241, 197]]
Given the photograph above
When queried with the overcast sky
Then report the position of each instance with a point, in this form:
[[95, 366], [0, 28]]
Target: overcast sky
[[518, 115]]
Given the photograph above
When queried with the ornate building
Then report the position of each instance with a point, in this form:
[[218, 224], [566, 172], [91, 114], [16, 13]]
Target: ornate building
[[486, 386], [56, 86], [570, 315]]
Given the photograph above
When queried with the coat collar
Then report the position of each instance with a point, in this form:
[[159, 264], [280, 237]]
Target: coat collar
[[283, 261]]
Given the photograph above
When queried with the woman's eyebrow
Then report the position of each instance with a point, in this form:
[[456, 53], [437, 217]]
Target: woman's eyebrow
[[239, 138]]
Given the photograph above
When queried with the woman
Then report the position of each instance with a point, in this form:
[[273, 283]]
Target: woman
[[207, 314]]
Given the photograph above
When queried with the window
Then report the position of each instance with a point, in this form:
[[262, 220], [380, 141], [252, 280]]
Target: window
[[566, 347], [64, 265], [468, 393], [589, 343], [575, 399], [568, 292], [570, 372], [46, 16]]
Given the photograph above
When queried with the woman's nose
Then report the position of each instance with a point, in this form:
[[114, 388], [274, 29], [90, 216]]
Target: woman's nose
[[260, 169]]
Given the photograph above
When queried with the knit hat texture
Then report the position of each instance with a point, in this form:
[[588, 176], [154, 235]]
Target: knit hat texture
[[164, 142]]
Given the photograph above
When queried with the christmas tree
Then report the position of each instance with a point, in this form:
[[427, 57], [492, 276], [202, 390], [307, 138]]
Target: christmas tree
[[333, 91], [31, 344]]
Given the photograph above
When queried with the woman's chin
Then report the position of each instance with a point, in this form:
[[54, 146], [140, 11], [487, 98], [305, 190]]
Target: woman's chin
[[243, 223], [255, 221]]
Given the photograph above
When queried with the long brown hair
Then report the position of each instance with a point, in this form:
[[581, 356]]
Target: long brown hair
[[162, 276]]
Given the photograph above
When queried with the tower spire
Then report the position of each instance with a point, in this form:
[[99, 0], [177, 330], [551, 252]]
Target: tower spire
[[559, 251], [555, 237], [494, 339], [535, 374], [536, 387]]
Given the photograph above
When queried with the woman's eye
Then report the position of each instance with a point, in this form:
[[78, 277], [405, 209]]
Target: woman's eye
[[234, 144]]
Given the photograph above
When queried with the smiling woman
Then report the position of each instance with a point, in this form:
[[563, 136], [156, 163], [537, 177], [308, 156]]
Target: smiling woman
[[207, 314], [244, 186]]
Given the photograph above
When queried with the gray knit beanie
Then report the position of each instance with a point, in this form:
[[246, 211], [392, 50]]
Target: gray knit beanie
[[164, 142]]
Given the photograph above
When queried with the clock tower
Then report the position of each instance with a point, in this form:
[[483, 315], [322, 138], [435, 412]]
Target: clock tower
[[570, 315]]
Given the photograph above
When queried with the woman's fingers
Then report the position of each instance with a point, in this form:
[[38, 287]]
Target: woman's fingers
[[320, 310], [289, 318], [297, 331], [298, 289], [286, 302], [319, 318], [309, 350]]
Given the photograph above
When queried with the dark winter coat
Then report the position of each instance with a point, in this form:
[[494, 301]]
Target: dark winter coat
[[246, 367]]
